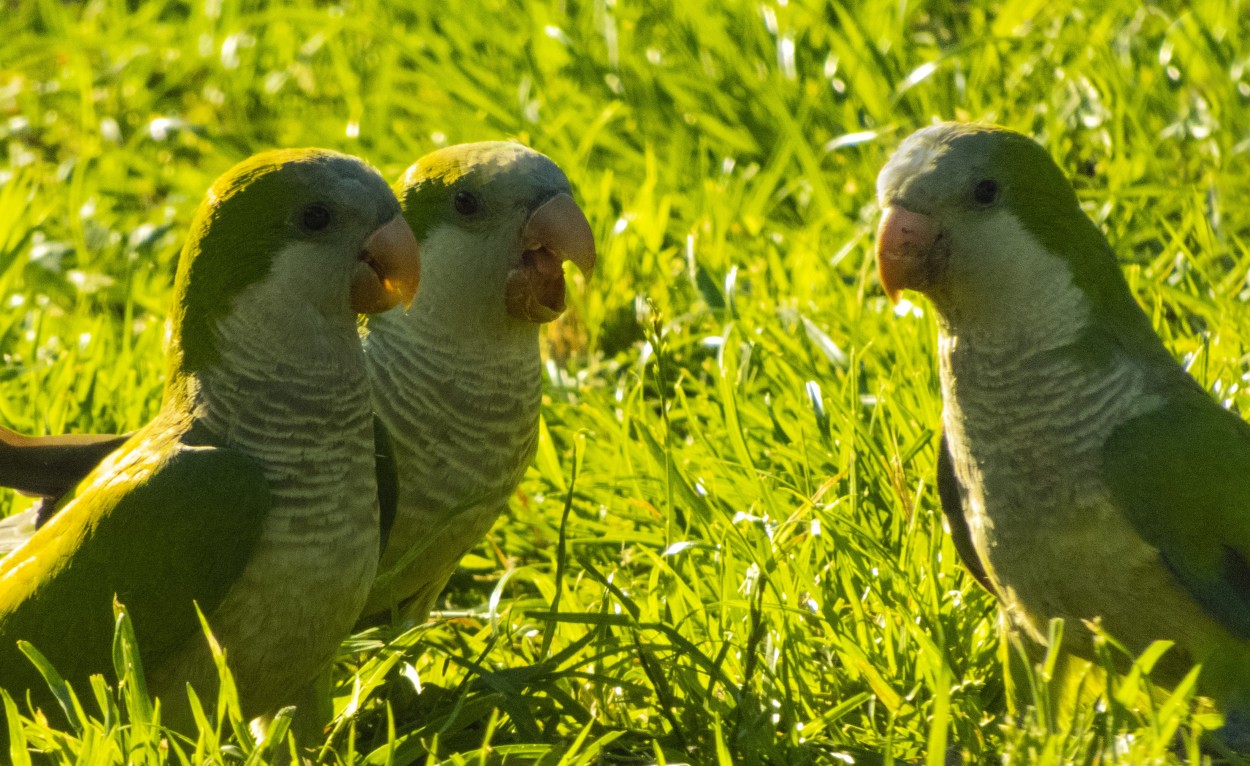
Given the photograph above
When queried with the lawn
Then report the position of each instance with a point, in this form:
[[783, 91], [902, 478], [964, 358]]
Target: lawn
[[729, 548]]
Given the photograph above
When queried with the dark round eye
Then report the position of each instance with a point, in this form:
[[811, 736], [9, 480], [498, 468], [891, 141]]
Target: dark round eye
[[315, 217], [466, 203], [986, 192]]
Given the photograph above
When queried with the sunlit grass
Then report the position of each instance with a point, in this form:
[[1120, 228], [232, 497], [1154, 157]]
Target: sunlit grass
[[729, 549]]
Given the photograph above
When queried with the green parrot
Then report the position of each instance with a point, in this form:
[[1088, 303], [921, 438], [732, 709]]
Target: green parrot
[[252, 492], [1086, 475], [457, 378]]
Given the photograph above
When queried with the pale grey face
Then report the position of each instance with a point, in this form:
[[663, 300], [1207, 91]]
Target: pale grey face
[[344, 242], [322, 206], [958, 202], [496, 221]]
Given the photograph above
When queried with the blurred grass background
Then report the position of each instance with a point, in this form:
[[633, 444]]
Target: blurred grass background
[[729, 549]]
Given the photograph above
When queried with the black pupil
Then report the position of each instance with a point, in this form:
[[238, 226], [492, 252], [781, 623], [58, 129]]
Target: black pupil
[[316, 217], [466, 203], [986, 192]]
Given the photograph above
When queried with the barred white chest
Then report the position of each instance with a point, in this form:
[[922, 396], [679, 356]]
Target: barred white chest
[[306, 418], [463, 417]]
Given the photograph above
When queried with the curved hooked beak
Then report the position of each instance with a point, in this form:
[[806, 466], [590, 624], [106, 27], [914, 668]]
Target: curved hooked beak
[[389, 270], [904, 250], [556, 232]]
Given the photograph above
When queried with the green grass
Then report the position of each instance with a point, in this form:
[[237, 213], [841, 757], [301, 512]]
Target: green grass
[[729, 549]]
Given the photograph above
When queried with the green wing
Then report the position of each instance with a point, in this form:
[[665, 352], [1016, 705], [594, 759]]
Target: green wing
[[160, 540], [1181, 474], [951, 496]]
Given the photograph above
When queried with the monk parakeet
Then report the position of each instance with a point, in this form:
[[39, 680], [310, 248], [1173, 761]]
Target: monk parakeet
[[1089, 476], [457, 381], [457, 378], [252, 492]]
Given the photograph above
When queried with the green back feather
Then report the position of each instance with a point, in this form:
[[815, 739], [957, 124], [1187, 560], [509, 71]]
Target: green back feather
[[176, 529], [1181, 474]]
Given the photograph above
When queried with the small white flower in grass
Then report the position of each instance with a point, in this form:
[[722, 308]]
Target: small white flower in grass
[[644, 355], [676, 548], [814, 527], [353, 129], [21, 157], [846, 139], [161, 128], [230, 49], [905, 308], [751, 580], [785, 57], [110, 131], [274, 81], [88, 283], [409, 672], [621, 225]]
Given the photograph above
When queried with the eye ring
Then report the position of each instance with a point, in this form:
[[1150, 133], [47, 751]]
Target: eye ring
[[315, 217], [986, 192], [467, 203]]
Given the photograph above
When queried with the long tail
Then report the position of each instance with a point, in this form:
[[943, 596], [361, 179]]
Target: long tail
[[47, 467], [50, 466]]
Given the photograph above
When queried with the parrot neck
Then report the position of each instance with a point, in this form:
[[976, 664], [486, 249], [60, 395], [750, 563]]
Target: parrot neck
[[463, 417], [464, 413], [290, 390], [1026, 428]]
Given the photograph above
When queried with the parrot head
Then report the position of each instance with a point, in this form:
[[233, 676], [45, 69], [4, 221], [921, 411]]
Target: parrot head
[[318, 230], [496, 221], [983, 222]]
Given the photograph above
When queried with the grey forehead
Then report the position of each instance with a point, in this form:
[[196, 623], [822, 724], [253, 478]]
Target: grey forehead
[[505, 160], [351, 183], [931, 164]]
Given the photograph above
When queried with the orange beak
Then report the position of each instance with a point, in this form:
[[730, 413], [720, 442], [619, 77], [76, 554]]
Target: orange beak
[[556, 232], [904, 242], [389, 270]]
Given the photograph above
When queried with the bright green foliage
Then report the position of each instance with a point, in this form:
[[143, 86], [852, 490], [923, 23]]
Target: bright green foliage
[[750, 559]]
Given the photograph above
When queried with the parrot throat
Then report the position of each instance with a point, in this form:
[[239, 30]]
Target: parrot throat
[[303, 412], [1026, 429], [463, 416]]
